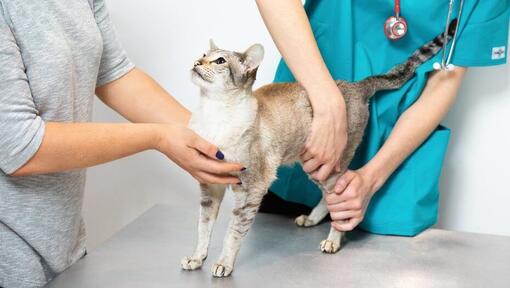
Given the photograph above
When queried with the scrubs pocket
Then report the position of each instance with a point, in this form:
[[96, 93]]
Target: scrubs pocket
[[412, 205]]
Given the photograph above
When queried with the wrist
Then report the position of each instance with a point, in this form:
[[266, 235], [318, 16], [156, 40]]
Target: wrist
[[326, 101], [157, 133], [375, 177]]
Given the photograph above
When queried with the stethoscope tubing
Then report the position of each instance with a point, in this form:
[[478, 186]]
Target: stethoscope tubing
[[446, 60]]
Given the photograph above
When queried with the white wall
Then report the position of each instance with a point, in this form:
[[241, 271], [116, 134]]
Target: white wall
[[164, 37], [475, 182]]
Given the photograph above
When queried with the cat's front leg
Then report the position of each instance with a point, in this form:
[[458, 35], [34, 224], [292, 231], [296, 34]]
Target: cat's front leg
[[246, 207], [210, 201]]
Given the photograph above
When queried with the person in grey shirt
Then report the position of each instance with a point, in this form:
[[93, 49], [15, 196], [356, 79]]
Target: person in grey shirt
[[54, 56]]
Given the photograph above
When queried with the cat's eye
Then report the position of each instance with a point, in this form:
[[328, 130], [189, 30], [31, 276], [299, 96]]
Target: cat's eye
[[203, 56], [220, 60]]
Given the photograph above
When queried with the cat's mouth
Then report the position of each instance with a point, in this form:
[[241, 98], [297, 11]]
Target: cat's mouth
[[196, 73]]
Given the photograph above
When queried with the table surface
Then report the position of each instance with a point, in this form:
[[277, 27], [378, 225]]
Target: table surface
[[276, 253]]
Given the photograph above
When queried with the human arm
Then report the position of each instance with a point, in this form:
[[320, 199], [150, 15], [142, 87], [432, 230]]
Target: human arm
[[354, 189], [68, 146], [288, 24], [140, 99], [29, 145]]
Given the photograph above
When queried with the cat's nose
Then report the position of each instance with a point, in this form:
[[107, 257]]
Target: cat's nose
[[197, 63]]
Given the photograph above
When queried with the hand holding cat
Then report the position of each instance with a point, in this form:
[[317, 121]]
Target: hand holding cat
[[195, 155], [328, 135], [348, 204]]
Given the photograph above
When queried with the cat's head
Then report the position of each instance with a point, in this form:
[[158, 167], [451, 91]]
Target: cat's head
[[221, 70]]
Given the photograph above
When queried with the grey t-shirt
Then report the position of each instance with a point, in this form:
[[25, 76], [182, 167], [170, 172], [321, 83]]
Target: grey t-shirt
[[53, 54]]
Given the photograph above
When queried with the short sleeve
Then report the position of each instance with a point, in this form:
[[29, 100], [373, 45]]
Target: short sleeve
[[21, 127], [114, 60], [483, 38]]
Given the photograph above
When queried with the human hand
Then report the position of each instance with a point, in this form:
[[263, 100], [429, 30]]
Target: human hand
[[328, 135], [348, 203], [192, 153]]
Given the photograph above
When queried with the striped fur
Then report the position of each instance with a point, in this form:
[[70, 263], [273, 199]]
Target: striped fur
[[401, 73]]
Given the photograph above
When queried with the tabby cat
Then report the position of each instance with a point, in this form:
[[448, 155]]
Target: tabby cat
[[266, 128]]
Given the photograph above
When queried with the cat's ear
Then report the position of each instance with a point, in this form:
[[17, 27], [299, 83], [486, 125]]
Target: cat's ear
[[212, 46], [253, 57]]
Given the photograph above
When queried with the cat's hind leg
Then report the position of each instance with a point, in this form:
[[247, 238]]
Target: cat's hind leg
[[315, 217], [210, 201], [334, 241]]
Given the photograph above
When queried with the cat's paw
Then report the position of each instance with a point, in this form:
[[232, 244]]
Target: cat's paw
[[329, 246], [220, 270], [190, 263], [304, 221]]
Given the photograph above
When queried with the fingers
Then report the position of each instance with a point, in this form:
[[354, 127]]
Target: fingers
[[209, 165], [206, 148], [346, 225], [308, 147], [323, 172], [344, 215], [343, 206], [306, 155], [311, 165], [217, 167], [312, 157], [348, 194], [344, 181], [348, 204], [208, 178]]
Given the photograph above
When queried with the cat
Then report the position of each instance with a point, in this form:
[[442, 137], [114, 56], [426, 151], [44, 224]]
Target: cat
[[266, 128]]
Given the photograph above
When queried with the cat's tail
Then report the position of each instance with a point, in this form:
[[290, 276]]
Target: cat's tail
[[401, 73]]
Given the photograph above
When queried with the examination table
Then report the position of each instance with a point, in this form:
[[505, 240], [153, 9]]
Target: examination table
[[276, 253]]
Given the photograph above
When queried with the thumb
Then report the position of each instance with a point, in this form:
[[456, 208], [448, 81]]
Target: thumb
[[344, 181], [207, 148]]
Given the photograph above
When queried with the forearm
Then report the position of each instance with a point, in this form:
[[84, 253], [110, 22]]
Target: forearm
[[140, 99], [416, 124], [289, 26], [68, 146]]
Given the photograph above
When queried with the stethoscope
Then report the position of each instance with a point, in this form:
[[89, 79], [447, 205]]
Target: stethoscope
[[395, 28]]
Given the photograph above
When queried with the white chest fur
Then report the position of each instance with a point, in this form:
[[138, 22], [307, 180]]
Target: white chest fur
[[223, 122]]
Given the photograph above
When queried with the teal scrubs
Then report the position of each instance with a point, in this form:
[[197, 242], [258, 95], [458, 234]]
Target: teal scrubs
[[352, 42]]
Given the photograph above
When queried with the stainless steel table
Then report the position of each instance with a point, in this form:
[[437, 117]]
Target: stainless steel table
[[278, 254]]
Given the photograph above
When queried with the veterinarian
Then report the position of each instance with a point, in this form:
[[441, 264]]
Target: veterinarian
[[393, 187], [54, 55]]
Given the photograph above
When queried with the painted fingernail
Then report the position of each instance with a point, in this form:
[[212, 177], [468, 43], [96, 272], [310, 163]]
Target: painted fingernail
[[243, 169], [220, 155], [240, 183]]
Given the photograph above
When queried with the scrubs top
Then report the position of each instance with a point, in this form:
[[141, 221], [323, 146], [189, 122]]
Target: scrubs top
[[352, 42]]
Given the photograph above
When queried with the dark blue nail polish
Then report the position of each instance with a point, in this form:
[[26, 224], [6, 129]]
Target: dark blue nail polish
[[220, 155], [240, 183], [243, 169]]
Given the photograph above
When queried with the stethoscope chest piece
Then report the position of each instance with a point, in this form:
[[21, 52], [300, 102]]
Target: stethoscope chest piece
[[395, 27]]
